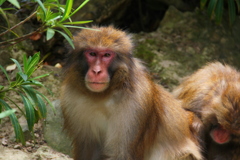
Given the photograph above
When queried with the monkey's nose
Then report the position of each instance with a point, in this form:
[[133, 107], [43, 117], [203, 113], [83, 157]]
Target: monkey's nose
[[96, 71]]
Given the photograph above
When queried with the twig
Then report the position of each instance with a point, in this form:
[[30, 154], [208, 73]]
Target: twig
[[5, 43], [33, 14]]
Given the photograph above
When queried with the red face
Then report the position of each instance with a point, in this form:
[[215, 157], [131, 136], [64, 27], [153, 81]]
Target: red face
[[97, 78]]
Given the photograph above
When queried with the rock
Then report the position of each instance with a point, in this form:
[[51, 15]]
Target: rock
[[179, 4], [45, 152], [17, 146], [53, 130], [101, 11], [23, 123], [10, 154], [4, 142], [189, 40], [5, 57]]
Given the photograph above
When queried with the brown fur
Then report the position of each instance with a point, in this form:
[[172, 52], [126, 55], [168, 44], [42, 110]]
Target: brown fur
[[134, 119], [213, 94]]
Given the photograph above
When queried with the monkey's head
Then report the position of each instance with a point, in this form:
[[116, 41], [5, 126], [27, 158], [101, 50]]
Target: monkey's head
[[104, 37], [101, 54], [228, 116]]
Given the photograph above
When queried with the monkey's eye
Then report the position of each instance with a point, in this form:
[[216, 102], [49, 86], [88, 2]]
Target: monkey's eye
[[92, 54], [107, 55]]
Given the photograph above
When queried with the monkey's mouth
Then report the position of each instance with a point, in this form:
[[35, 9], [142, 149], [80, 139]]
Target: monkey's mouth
[[97, 86], [220, 135], [97, 82]]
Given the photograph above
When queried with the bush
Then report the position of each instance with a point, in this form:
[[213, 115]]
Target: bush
[[34, 101]]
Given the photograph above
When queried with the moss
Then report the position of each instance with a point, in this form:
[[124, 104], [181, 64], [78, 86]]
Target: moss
[[145, 54]]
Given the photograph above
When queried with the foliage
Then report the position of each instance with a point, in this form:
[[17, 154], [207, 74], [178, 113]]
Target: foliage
[[7, 113], [34, 101], [53, 16], [216, 7]]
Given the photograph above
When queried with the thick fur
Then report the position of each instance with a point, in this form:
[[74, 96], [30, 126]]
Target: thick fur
[[213, 94], [134, 119]]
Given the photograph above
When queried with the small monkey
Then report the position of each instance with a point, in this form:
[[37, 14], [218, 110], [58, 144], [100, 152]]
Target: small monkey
[[213, 95], [113, 110]]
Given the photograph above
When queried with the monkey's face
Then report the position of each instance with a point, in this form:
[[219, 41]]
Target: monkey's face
[[99, 60]]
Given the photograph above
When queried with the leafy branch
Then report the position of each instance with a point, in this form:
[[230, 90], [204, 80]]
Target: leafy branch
[[53, 16]]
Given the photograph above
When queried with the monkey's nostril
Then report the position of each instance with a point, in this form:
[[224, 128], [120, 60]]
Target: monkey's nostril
[[96, 72]]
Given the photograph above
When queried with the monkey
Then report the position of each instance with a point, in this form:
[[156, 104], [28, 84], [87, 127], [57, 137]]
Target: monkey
[[113, 110], [212, 93]]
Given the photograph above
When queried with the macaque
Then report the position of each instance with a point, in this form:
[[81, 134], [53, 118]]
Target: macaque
[[213, 95], [113, 110]]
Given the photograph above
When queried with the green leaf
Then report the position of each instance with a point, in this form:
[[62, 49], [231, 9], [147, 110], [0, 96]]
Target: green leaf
[[65, 29], [211, 7], [36, 56], [69, 40], [2, 1], [41, 17], [7, 113], [30, 115], [50, 33], [25, 63], [15, 123], [43, 8], [76, 10], [53, 16], [78, 22], [54, 5], [32, 82], [41, 107], [32, 64], [24, 76], [219, 11], [5, 72], [41, 76], [68, 26], [68, 9], [231, 11], [18, 65], [29, 59], [30, 93], [49, 102], [15, 3]]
